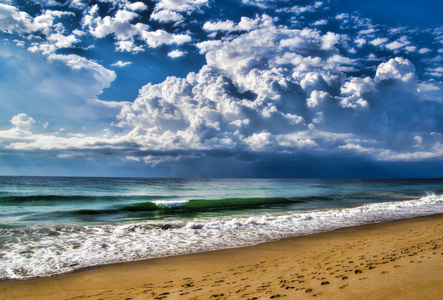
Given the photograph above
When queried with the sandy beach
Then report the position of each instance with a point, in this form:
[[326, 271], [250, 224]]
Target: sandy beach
[[396, 260]]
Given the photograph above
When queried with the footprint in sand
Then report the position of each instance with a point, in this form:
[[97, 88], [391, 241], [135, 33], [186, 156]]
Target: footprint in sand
[[187, 285]]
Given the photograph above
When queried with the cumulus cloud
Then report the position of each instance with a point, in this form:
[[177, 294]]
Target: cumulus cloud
[[259, 3], [435, 71], [54, 42], [396, 68], [268, 88], [53, 85], [394, 45], [160, 37], [276, 89], [245, 24], [167, 16], [299, 9], [431, 90], [22, 121], [119, 25], [378, 41], [136, 6], [101, 75], [180, 5], [126, 33], [14, 21], [176, 53], [170, 11], [121, 64]]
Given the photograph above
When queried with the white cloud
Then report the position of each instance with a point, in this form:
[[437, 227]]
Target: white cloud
[[245, 24], [317, 98], [133, 158], [14, 21], [103, 76], [355, 90], [378, 41], [167, 11], [54, 42], [121, 64], [128, 46], [122, 27], [320, 22], [298, 9], [180, 5], [436, 71], [119, 25], [18, 22], [219, 26], [166, 16], [176, 53], [206, 110], [259, 91], [208, 45], [160, 37], [259, 3], [396, 68], [260, 141], [330, 39], [360, 42], [369, 31], [266, 89], [431, 90], [53, 86], [136, 6], [394, 45], [22, 121]]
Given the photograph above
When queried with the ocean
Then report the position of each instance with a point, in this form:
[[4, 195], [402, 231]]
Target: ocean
[[56, 225]]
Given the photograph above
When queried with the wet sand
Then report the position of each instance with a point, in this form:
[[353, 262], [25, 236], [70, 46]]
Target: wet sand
[[396, 260]]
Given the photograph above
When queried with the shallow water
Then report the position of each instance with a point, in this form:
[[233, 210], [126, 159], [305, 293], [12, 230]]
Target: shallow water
[[53, 225]]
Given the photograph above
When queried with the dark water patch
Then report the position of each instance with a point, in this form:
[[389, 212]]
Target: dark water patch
[[165, 208], [72, 199], [203, 204], [153, 209]]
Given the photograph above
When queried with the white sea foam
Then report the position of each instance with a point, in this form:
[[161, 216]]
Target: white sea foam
[[27, 253], [170, 203]]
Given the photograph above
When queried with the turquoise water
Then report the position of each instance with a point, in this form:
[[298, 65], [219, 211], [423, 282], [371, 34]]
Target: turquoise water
[[54, 225]]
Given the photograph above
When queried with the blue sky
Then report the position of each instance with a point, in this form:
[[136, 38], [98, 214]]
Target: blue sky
[[204, 88]]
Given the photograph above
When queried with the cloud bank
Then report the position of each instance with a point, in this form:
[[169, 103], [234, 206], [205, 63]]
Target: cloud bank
[[272, 93], [280, 90]]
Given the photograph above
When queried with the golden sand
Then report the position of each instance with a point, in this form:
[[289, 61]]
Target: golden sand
[[397, 260]]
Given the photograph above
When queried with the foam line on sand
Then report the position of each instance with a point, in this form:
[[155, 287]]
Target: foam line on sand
[[396, 260]]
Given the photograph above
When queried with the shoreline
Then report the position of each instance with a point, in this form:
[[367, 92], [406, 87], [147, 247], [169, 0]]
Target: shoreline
[[384, 258]]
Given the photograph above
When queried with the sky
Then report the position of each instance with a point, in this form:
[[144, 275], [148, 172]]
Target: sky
[[235, 88]]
